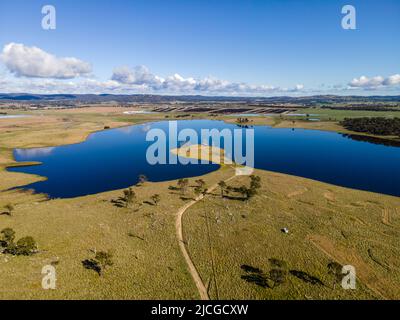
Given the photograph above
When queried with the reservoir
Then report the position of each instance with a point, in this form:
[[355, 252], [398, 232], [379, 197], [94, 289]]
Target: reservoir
[[113, 159]]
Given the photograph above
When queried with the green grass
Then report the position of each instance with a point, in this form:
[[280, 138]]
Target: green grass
[[338, 115]]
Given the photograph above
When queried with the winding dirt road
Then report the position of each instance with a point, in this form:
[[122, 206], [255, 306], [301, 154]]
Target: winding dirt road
[[182, 245]]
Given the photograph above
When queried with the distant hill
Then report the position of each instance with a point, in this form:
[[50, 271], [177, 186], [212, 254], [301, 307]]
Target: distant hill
[[148, 98]]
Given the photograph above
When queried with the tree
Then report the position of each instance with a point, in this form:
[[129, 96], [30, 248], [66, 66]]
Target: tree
[[9, 209], [374, 125], [255, 182], [222, 186], [335, 269], [99, 263], [243, 190], [278, 276], [129, 197], [201, 183], [278, 273], [7, 237], [183, 184], [197, 191], [156, 198], [142, 179], [201, 187], [26, 246], [104, 259]]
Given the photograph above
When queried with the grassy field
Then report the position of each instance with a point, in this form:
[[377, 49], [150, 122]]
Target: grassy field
[[326, 223], [329, 121], [337, 115]]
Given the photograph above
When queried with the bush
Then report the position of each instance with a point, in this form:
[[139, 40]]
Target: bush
[[7, 236], [129, 197], [156, 198], [101, 260], [142, 179], [278, 276], [25, 246], [183, 185]]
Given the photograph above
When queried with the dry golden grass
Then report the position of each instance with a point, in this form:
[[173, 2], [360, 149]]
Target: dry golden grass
[[346, 227], [325, 222], [202, 152]]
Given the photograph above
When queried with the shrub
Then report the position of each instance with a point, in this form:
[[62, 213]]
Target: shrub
[[99, 263], [129, 197], [7, 236], [25, 246], [278, 276], [223, 187], [156, 198], [183, 185], [142, 179], [104, 259], [335, 269]]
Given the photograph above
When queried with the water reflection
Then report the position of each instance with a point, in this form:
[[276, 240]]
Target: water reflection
[[34, 152], [374, 140]]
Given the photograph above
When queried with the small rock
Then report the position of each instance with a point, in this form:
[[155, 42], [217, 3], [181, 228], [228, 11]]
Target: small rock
[[285, 230]]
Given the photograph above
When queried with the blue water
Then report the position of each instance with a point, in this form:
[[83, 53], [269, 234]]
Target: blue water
[[113, 159]]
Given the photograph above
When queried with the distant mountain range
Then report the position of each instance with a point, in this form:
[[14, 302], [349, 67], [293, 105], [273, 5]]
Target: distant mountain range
[[148, 98]]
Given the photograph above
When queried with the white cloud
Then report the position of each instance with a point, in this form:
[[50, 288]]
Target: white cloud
[[141, 76], [392, 80], [375, 82], [33, 62]]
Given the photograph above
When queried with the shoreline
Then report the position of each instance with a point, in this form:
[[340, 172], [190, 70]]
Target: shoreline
[[177, 151]]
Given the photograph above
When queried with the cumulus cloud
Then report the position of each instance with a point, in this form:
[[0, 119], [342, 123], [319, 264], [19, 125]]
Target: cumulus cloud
[[392, 80], [375, 82], [33, 62], [141, 76]]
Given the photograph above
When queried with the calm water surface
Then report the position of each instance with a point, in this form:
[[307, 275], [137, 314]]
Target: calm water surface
[[113, 159]]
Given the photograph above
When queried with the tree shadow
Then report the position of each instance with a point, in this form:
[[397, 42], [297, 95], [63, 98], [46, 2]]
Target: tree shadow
[[247, 268], [92, 264], [120, 202], [258, 279], [149, 203], [306, 277], [255, 275]]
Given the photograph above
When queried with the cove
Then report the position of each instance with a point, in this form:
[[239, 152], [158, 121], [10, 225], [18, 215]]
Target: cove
[[113, 159]]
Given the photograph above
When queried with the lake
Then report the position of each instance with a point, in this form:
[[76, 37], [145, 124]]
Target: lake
[[113, 159], [13, 116]]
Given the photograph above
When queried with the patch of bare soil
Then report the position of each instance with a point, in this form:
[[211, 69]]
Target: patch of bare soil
[[378, 284]]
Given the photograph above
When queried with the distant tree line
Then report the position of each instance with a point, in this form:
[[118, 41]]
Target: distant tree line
[[379, 126], [362, 107]]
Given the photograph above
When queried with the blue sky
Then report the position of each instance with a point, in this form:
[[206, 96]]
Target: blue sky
[[239, 47]]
